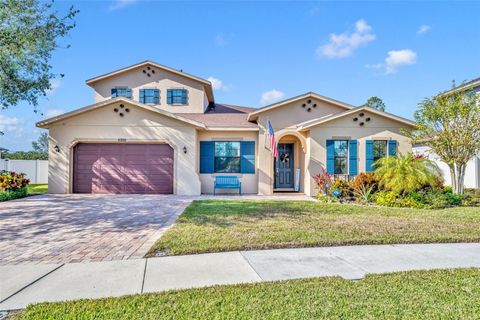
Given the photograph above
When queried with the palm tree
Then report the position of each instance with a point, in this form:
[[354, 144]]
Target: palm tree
[[406, 173]]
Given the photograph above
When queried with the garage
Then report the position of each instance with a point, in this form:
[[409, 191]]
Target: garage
[[123, 168]]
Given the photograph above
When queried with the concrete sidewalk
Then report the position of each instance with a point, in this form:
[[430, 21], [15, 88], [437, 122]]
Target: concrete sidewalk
[[21, 285]]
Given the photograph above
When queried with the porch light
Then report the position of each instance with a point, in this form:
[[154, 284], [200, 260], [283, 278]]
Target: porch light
[[185, 150], [57, 148]]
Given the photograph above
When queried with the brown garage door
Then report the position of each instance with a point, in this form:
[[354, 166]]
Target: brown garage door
[[123, 168]]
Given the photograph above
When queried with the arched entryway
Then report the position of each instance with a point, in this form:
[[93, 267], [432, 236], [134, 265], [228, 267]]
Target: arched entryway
[[289, 166]]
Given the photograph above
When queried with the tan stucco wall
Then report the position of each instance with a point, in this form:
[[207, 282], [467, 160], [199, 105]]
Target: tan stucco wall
[[293, 113], [137, 126], [249, 181], [284, 120], [379, 128], [162, 80]]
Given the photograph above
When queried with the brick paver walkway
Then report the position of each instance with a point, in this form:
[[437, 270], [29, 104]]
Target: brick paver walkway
[[81, 228]]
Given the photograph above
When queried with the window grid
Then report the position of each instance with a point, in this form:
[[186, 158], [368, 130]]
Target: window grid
[[227, 157], [177, 96], [380, 148], [150, 96], [122, 92], [340, 157]]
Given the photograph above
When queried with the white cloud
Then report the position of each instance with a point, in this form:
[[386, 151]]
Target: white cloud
[[218, 84], [271, 97], [223, 39], [54, 85], [424, 29], [120, 4], [342, 45], [398, 58], [374, 66], [54, 112], [11, 124]]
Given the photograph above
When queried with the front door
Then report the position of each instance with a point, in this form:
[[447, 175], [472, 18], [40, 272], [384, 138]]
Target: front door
[[284, 167]]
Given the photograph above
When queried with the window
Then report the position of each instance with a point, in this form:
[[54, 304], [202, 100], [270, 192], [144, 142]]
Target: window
[[227, 157], [340, 159], [122, 92], [177, 96], [150, 96], [379, 149]]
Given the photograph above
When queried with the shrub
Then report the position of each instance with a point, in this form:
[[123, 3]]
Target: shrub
[[471, 197], [12, 185], [323, 180], [10, 195], [343, 187], [364, 186], [326, 198], [410, 201], [406, 173], [366, 179], [386, 198], [11, 181]]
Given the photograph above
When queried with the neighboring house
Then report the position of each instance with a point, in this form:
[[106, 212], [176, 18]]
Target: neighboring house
[[153, 129], [472, 173]]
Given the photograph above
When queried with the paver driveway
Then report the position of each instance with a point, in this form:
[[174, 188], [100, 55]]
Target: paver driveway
[[79, 228]]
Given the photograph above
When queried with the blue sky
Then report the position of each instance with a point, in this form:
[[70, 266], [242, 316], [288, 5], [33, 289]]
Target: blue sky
[[260, 52]]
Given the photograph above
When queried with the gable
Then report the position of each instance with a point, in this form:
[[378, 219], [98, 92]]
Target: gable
[[298, 111], [119, 112], [361, 116]]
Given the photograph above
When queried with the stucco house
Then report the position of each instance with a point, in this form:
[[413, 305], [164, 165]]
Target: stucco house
[[154, 129], [472, 172]]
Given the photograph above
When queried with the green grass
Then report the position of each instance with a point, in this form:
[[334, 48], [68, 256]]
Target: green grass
[[438, 294], [33, 189], [216, 225]]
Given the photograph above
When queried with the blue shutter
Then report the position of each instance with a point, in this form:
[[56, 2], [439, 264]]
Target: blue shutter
[[352, 157], [114, 92], [156, 96], [142, 96], [392, 148], [184, 96], [247, 157], [207, 156], [331, 156], [129, 93], [169, 96], [369, 155]]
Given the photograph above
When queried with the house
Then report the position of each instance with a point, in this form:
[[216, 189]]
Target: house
[[154, 129], [472, 172]]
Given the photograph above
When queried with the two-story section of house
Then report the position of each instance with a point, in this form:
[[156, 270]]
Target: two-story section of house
[[154, 129]]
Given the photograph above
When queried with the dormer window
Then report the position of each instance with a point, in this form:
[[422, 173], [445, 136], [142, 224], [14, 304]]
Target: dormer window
[[122, 92], [150, 96], [177, 96]]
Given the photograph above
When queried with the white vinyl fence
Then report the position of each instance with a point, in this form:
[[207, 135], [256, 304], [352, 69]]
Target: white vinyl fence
[[36, 170]]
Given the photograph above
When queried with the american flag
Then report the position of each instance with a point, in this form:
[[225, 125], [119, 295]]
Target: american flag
[[271, 138]]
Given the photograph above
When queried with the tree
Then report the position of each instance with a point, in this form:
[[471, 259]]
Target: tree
[[449, 124], [406, 173], [41, 145], [376, 103], [30, 31], [26, 155]]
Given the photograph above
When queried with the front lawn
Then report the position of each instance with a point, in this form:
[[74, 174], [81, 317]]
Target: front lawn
[[34, 189], [438, 294], [222, 225]]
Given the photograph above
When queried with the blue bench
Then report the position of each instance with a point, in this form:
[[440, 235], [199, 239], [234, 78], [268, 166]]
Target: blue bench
[[227, 182]]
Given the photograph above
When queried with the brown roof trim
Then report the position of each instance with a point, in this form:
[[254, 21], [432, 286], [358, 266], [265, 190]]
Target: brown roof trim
[[311, 123], [206, 83], [45, 123], [299, 97]]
